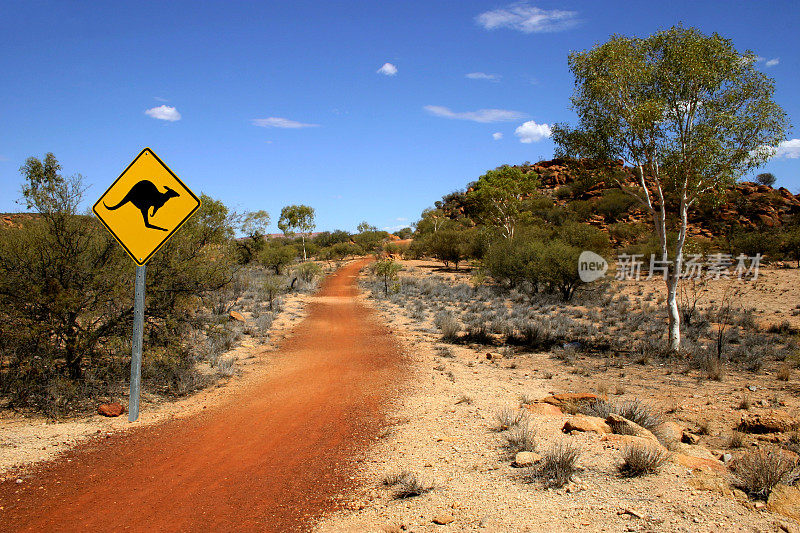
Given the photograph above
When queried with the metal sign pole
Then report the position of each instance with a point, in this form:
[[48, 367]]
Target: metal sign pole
[[136, 357]]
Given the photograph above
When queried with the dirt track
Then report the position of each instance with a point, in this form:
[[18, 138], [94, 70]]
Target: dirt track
[[270, 459]]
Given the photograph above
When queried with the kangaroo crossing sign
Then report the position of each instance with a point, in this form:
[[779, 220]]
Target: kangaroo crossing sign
[[145, 206]]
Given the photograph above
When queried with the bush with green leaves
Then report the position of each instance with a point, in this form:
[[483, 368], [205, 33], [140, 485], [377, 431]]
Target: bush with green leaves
[[387, 270], [66, 295], [451, 245], [277, 255]]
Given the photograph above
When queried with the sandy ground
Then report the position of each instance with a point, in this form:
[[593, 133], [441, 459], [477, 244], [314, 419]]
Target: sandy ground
[[452, 444], [26, 439]]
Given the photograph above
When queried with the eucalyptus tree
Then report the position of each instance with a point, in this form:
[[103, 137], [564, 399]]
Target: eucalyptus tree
[[687, 111], [297, 219]]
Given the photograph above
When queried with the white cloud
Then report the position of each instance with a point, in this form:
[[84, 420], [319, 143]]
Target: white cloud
[[483, 76], [160, 99], [767, 62], [497, 136], [531, 132], [164, 112], [401, 219], [387, 69], [528, 19], [481, 115], [789, 149], [278, 122]]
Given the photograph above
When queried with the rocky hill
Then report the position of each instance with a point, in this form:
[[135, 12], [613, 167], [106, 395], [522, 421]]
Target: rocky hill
[[588, 188]]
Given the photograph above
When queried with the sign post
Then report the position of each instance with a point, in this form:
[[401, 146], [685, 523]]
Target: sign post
[[142, 209], [136, 355]]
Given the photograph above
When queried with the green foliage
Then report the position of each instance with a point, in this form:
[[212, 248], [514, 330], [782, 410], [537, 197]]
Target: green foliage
[[404, 233], [272, 287], [308, 272], [687, 110], [626, 232], [65, 294], [297, 218], [754, 242], [329, 238], [365, 227], [388, 271], [791, 244], [254, 227], [370, 242], [497, 197], [544, 259], [615, 204], [451, 245], [277, 255]]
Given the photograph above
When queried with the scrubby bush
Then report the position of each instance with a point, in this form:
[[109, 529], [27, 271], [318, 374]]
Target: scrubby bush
[[614, 204], [407, 485], [520, 439], [759, 471], [558, 464], [387, 270], [641, 459], [766, 178], [277, 255], [65, 297]]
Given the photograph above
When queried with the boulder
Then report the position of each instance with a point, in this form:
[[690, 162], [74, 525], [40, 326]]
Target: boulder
[[626, 427], [694, 451], [619, 442], [593, 424], [699, 463], [703, 480], [769, 422], [236, 315], [785, 500], [523, 459], [571, 397], [110, 409], [544, 409]]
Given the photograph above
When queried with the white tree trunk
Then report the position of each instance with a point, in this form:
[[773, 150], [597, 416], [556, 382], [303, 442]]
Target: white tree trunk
[[303, 237], [674, 315]]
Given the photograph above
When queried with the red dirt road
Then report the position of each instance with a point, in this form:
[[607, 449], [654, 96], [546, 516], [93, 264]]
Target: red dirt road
[[270, 459]]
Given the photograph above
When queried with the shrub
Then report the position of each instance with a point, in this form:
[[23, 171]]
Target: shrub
[[614, 204], [639, 412], [387, 270], [277, 256], [641, 459], [758, 472], [766, 178], [308, 272], [407, 485], [508, 418], [449, 326], [65, 314], [558, 464], [520, 439]]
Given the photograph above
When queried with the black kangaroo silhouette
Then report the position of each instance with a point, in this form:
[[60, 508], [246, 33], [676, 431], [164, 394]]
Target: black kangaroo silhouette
[[145, 195]]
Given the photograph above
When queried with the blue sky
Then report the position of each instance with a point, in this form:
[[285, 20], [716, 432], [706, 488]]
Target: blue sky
[[273, 103]]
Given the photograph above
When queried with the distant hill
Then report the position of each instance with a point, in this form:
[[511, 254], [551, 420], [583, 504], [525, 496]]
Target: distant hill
[[582, 186]]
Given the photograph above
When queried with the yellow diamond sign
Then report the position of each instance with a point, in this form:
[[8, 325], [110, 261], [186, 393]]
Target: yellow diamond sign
[[145, 206]]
